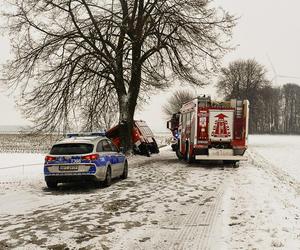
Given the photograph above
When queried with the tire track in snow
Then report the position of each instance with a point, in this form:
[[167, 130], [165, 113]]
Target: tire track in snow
[[159, 189], [199, 225]]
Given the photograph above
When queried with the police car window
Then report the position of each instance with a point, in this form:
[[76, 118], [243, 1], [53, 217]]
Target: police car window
[[114, 148], [100, 147], [106, 146], [71, 149]]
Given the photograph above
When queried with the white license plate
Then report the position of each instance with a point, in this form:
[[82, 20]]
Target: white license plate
[[68, 168], [221, 152]]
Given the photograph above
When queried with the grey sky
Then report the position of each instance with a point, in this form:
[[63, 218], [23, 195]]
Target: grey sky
[[265, 27]]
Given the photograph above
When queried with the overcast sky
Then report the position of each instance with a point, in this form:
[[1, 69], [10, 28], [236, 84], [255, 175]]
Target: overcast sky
[[265, 27]]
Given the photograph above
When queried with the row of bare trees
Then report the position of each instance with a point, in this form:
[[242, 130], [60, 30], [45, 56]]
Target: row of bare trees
[[272, 109]]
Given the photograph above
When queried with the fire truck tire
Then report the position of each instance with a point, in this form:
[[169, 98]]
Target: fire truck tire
[[178, 154], [188, 157], [177, 151], [235, 164], [154, 147], [147, 151], [136, 150]]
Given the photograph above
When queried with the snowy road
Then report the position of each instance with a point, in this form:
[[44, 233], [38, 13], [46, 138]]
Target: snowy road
[[164, 204]]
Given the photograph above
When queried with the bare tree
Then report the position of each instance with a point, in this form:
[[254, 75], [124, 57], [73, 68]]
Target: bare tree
[[269, 111], [100, 115], [67, 52], [244, 79], [291, 108], [176, 101]]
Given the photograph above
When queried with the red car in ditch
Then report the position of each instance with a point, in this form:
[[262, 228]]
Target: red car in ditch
[[142, 138]]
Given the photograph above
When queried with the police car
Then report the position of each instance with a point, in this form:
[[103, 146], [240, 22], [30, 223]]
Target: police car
[[90, 157]]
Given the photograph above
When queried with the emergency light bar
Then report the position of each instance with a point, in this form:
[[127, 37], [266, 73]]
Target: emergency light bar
[[70, 135]]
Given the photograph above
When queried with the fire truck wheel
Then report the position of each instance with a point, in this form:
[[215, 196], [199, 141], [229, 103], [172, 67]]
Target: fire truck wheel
[[177, 151], [147, 151], [154, 147], [189, 158], [236, 164], [178, 154]]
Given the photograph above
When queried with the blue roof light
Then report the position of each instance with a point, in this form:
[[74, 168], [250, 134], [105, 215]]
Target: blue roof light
[[85, 134]]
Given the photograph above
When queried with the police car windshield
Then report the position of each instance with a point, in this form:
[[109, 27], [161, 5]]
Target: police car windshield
[[71, 149]]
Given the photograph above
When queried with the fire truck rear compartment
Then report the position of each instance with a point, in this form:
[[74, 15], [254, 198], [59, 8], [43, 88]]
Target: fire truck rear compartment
[[211, 130]]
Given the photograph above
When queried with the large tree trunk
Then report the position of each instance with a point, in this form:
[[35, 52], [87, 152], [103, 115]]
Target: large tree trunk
[[126, 124], [128, 101]]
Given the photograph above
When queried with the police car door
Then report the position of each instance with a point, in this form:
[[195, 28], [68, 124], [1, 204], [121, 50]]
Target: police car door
[[120, 158], [112, 158]]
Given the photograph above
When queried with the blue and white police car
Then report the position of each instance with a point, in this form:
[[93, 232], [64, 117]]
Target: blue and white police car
[[84, 157]]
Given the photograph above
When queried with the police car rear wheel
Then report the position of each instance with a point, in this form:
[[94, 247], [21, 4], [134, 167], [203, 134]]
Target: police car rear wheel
[[51, 184], [107, 181]]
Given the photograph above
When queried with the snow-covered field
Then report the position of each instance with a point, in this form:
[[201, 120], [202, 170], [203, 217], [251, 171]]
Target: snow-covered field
[[21, 143], [164, 204], [262, 202], [281, 151]]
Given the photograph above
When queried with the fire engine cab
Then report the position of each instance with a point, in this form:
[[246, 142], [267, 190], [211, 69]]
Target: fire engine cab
[[210, 130]]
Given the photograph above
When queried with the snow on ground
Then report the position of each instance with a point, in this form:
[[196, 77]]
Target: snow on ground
[[261, 202], [282, 151], [164, 204], [17, 166], [261, 210]]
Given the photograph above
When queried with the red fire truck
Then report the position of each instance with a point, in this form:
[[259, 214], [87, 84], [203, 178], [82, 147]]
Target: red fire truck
[[210, 130], [142, 138], [173, 125]]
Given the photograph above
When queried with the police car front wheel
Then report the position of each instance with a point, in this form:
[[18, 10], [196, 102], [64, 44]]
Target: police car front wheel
[[125, 171]]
